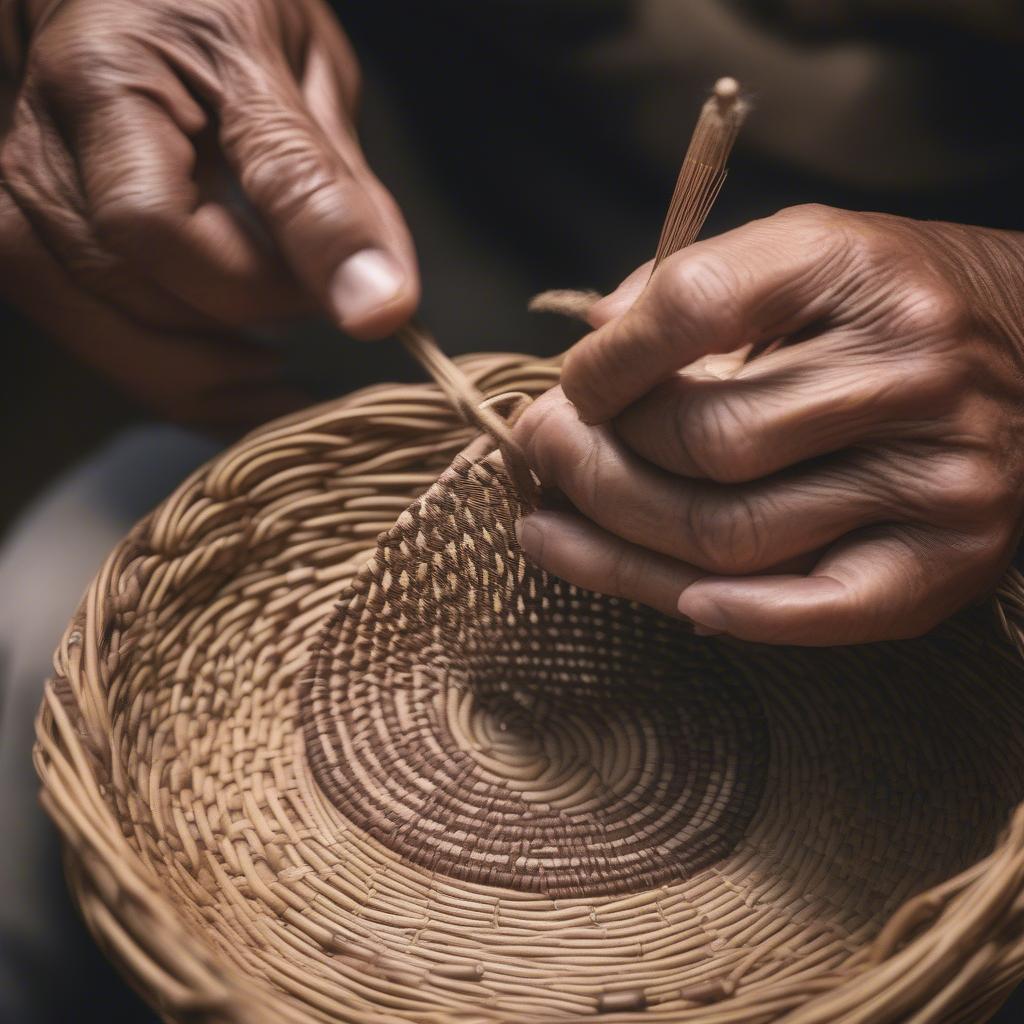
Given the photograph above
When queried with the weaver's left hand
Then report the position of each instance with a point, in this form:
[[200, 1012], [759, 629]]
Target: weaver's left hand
[[861, 482]]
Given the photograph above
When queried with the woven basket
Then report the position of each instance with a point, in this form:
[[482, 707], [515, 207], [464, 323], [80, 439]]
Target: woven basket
[[306, 776]]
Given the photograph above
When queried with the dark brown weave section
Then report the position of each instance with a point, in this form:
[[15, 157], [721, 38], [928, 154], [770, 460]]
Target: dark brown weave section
[[493, 723]]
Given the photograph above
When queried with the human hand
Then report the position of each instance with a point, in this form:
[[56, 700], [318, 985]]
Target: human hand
[[220, 384], [861, 482], [193, 167]]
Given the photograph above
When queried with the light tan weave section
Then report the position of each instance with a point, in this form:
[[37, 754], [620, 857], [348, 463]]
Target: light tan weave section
[[235, 878]]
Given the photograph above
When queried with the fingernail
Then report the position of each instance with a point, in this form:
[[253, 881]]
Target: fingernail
[[615, 303], [363, 283], [530, 538], [699, 630], [702, 610]]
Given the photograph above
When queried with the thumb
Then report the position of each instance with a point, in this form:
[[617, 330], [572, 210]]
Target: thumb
[[618, 302], [339, 229]]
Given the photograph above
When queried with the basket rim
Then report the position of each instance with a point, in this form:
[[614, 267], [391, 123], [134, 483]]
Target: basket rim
[[158, 952]]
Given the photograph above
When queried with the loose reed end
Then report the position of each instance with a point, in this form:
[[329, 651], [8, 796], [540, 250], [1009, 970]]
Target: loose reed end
[[727, 91], [704, 167], [565, 302]]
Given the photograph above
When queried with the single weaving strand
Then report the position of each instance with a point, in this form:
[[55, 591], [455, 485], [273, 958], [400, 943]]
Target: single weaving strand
[[700, 179], [467, 401], [704, 168]]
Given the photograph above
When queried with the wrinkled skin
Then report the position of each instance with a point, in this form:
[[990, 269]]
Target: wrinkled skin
[[860, 482], [178, 170]]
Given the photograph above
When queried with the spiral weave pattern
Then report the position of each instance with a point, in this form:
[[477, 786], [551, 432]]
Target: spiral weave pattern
[[495, 724], [243, 744]]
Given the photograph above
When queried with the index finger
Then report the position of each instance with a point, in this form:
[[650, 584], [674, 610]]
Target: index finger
[[758, 282], [138, 170]]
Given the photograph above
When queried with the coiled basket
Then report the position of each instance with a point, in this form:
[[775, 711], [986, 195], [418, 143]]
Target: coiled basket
[[304, 774]]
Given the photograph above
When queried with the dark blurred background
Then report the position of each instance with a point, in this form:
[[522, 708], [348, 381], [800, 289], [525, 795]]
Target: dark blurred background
[[534, 144]]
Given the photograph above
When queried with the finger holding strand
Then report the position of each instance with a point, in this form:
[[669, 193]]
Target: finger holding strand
[[732, 529], [701, 175], [320, 203], [138, 171], [756, 283], [579, 551], [789, 406], [330, 89]]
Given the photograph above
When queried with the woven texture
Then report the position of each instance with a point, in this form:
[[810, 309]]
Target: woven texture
[[304, 775], [487, 721]]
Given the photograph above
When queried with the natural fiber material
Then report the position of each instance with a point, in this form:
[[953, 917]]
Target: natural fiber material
[[490, 722], [703, 169], [252, 803], [467, 401]]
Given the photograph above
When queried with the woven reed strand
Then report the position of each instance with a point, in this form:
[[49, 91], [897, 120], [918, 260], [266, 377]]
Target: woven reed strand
[[495, 724], [212, 868]]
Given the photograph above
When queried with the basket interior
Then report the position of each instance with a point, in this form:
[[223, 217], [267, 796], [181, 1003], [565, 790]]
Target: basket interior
[[474, 792]]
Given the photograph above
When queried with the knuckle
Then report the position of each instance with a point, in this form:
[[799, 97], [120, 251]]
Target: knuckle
[[719, 439], [972, 491], [265, 135], [327, 199], [46, 69], [835, 237], [125, 220], [67, 66], [292, 177], [696, 281], [694, 296], [812, 215], [930, 306], [51, 66], [941, 375], [869, 252], [726, 534], [624, 571], [13, 159], [996, 547], [859, 240], [208, 31], [34, 173], [586, 472], [21, 157], [818, 225]]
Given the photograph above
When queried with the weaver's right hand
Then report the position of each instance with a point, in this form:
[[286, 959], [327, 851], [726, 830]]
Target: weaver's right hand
[[862, 481], [191, 168]]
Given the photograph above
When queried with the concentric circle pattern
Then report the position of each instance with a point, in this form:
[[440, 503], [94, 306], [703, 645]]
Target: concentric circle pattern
[[236, 883], [493, 723]]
